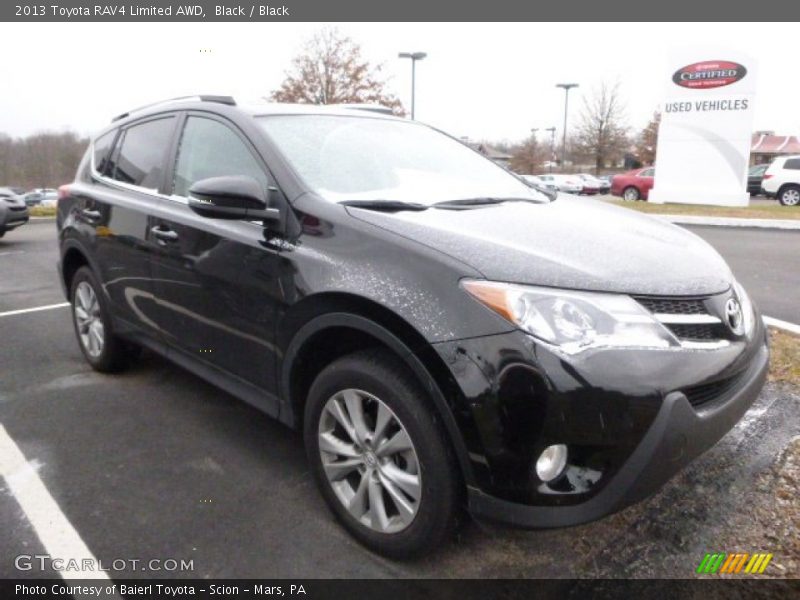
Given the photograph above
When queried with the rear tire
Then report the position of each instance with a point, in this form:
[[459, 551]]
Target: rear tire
[[790, 195], [399, 503], [631, 194], [91, 319]]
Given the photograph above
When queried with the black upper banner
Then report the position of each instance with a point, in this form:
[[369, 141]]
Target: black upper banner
[[408, 10]]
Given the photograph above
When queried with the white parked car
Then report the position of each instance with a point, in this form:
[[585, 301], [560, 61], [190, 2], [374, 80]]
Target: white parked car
[[571, 184], [41, 197], [539, 182], [594, 185], [782, 180]]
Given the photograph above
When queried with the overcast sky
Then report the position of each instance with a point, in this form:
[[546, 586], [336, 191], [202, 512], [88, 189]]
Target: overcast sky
[[485, 81]]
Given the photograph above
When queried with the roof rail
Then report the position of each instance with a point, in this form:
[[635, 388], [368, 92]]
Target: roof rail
[[377, 108], [199, 97]]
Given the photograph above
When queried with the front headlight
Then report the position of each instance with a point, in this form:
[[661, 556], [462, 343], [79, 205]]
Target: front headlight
[[573, 321], [748, 312]]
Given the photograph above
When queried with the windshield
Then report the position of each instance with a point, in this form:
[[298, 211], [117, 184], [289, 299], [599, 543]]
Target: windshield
[[361, 158]]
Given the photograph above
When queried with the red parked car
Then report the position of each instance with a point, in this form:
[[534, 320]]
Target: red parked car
[[633, 185]]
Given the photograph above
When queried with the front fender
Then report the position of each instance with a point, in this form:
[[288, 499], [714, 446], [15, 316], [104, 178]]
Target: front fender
[[399, 347]]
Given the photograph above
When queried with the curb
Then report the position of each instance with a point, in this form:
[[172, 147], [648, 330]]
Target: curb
[[785, 224], [41, 219], [780, 324]]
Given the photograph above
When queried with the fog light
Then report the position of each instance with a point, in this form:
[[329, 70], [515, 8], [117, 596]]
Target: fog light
[[551, 462]]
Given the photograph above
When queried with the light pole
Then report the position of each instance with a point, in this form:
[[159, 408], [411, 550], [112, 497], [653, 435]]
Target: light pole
[[567, 87], [552, 131], [414, 56], [533, 149]]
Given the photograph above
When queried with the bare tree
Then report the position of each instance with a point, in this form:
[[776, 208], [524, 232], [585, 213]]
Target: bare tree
[[527, 157], [40, 160], [331, 70], [601, 132], [648, 140]]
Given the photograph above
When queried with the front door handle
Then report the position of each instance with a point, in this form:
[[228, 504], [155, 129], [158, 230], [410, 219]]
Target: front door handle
[[164, 235]]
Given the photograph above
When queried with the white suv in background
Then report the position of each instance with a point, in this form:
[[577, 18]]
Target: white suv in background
[[782, 180]]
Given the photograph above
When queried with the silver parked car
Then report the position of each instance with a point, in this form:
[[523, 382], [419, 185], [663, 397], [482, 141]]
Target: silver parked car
[[13, 211]]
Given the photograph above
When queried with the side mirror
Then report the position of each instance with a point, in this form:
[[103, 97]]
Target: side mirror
[[231, 197]]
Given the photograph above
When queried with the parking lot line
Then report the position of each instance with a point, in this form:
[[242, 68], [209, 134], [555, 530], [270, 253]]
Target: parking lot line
[[23, 311], [56, 533], [785, 325]]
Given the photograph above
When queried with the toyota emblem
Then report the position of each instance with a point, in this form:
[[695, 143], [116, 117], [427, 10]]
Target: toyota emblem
[[733, 314]]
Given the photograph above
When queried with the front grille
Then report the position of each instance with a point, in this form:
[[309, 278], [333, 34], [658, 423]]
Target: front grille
[[674, 306], [689, 319], [17, 208], [698, 332], [707, 392]]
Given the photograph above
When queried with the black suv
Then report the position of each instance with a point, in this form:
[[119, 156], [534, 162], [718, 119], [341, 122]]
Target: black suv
[[444, 335]]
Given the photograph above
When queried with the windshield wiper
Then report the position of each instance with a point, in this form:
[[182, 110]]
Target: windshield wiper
[[470, 202], [385, 205]]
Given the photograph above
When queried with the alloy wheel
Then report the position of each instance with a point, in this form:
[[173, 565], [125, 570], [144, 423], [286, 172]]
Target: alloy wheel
[[631, 194], [791, 197], [370, 461], [88, 320]]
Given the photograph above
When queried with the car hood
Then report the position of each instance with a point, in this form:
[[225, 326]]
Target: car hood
[[569, 243]]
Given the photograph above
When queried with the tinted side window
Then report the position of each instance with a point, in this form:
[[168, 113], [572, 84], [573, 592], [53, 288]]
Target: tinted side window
[[102, 152], [792, 163], [647, 173], [210, 149], [142, 153]]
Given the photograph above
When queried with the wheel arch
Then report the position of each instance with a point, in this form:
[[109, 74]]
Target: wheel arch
[[73, 258], [326, 326]]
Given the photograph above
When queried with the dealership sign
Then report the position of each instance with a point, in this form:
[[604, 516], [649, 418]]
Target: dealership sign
[[709, 74], [706, 124]]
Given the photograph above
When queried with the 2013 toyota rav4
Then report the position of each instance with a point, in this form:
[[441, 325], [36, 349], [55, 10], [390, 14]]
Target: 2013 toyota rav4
[[444, 335]]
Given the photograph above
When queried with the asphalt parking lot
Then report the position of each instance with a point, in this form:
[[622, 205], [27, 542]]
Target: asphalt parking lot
[[155, 463]]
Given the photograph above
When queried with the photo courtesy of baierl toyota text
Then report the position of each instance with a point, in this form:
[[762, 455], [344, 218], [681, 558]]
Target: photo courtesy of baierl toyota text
[[355, 300]]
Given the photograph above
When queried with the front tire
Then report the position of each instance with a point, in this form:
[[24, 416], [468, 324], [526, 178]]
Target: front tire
[[631, 194], [379, 455], [790, 195], [102, 349]]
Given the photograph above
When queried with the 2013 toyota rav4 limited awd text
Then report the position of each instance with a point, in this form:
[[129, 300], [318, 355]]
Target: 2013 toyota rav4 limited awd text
[[444, 335]]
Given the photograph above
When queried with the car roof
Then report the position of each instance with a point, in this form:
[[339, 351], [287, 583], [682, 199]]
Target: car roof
[[226, 105]]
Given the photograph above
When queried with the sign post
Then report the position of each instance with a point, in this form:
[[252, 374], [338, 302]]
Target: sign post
[[705, 133]]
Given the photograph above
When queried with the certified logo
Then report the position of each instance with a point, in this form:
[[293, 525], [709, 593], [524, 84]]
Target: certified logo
[[733, 314], [709, 74]]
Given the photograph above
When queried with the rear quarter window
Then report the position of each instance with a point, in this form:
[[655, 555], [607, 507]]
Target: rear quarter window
[[102, 152], [792, 163], [142, 153]]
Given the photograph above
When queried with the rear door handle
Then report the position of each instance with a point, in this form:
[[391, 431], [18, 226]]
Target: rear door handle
[[92, 215], [164, 235]]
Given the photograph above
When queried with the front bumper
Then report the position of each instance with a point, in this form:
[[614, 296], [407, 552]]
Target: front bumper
[[12, 219], [630, 419], [678, 434]]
